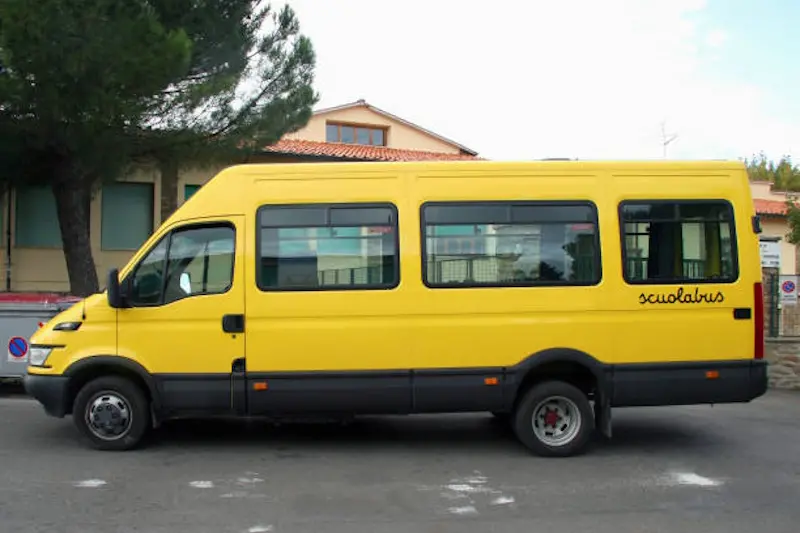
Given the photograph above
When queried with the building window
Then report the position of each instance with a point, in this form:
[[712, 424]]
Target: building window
[[508, 244], [199, 261], [36, 218], [336, 247], [350, 134], [127, 215], [459, 240], [189, 190], [674, 242]]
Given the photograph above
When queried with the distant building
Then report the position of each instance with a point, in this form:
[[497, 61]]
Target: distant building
[[771, 207], [361, 132]]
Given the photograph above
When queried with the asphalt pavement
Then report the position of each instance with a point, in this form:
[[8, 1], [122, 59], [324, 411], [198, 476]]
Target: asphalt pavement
[[725, 469]]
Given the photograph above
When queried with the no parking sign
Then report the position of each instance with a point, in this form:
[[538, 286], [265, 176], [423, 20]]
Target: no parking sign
[[18, 350], [788, 285]]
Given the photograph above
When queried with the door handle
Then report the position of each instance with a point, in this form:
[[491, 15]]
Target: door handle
[[742, 313], [233, 323]]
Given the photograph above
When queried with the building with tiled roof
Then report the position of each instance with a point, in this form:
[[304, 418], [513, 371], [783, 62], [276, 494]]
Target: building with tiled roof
[[771, 207], [359, 131]]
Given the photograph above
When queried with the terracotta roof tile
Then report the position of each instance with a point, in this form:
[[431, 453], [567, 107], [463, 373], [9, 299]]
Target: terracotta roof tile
[[360, 152], [770, 207]]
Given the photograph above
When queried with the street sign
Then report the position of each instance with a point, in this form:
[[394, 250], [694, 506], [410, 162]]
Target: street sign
[[770, 254], [788, 286], [17, 349]]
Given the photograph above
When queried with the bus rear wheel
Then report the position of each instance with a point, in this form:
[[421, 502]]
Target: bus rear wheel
[[554, 419]]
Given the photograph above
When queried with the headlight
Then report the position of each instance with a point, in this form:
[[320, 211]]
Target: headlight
[[38, 355], [67, 326]]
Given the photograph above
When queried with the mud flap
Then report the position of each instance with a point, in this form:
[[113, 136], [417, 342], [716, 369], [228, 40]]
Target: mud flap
[[602, 414]]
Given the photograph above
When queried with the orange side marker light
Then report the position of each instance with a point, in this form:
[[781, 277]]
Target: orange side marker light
[[261, 385], [712, 374], [490, 381]]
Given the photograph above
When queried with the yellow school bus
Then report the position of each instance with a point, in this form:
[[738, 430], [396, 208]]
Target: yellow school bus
[[546, 293]]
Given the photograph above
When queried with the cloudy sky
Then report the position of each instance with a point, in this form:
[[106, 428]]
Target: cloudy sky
[[522, 79]]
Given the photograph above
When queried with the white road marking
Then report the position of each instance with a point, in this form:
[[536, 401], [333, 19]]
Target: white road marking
[[470, 489], [503, 500], [249, 480], [89, 483], [259, 529], [690, 478], [202, 484], [468, 509]]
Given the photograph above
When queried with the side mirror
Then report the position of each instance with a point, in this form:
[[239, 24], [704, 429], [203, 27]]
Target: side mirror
[[113, 291], [185, 282]]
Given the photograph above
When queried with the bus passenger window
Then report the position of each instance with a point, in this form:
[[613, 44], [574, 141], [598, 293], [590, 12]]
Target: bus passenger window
[[327, 247], [508, 244]]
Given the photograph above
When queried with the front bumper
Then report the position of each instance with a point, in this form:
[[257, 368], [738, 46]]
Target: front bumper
[[50, 391]]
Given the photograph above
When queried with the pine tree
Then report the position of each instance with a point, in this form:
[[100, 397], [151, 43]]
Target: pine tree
[[91, 88]]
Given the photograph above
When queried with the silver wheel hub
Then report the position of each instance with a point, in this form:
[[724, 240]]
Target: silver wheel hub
[[556, 421], [109, 416]]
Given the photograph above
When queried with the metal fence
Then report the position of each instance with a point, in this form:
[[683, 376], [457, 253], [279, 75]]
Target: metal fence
[[691, 268], [505, 269], [770, 280], [781, 304]]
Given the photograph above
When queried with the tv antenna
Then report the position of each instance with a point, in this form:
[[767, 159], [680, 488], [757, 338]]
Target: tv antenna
[[666, 138]]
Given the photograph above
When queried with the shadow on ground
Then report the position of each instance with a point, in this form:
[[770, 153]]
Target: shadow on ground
[[11, 388], [474, 433], [655, 431]]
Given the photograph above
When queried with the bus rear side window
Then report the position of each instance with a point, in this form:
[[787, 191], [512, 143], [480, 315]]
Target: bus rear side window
[[678, 242], [510, 244]]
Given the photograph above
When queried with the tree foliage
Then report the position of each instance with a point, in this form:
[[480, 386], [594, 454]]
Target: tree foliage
[[244, 88], [784, 175], [793, 213], [91, 88]]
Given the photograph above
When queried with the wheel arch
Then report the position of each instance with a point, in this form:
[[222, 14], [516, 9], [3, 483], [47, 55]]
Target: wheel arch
[[89, 368], [567, 364]]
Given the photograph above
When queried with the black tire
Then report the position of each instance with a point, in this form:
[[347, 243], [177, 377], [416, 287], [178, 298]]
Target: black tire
[[134, 403], [579, 438]]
